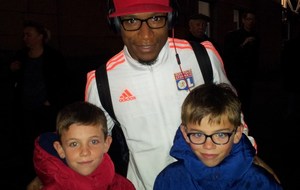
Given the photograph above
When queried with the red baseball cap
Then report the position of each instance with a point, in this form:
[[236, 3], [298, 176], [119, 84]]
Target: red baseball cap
[[125, 7]]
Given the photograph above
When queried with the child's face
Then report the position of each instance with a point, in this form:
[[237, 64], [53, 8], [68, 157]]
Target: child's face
[[210, 153], [83, 147]]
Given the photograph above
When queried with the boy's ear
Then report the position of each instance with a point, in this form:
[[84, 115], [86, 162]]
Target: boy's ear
[[107, 144], [238, 134], [57, 146], [183, 131]]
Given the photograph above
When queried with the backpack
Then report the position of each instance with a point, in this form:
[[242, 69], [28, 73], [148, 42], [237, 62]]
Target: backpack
[[118, 151]]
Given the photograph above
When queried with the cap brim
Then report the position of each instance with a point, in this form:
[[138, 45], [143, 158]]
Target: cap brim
[[144, 8]]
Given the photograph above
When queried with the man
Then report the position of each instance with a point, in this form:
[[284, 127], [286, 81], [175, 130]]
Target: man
[[148, 85], [241, 57]]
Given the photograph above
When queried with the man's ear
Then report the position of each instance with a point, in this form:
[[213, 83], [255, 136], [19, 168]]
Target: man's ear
[[238, 134], [57, 146], [107, 143]]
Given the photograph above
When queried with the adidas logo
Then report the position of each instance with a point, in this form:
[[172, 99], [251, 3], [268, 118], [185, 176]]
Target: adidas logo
[[126, 96]]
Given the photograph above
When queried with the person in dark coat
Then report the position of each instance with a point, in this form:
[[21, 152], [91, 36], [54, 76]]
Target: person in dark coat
[[241, 59], [40, 88]]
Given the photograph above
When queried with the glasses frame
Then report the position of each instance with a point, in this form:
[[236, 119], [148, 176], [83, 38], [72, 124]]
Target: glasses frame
[[144, 20], [210, 136]]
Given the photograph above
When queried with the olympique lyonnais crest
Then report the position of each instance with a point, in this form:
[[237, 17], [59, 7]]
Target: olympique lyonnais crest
[[184, 80]]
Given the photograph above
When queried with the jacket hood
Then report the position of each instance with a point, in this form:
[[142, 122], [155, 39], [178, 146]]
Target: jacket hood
[[232, 167], [55, 174]]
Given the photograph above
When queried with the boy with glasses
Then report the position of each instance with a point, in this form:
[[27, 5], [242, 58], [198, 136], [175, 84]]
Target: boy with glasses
[[211, 150]]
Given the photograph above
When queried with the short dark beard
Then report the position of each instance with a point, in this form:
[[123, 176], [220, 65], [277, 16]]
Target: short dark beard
[[147, 62]]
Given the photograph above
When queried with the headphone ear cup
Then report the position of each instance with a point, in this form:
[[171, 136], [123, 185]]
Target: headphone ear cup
[[116, 24], [113, 23], [172, 17]]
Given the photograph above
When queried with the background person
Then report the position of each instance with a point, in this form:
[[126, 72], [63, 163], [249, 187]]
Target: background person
[[241, 59], [197, 29], [40, 77]]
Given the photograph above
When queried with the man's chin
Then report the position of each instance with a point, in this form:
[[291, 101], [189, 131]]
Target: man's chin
[[147, 62]]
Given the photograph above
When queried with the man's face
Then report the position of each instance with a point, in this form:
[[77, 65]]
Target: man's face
[[249, 22], [197, 27], [145, 43], [31, 37]]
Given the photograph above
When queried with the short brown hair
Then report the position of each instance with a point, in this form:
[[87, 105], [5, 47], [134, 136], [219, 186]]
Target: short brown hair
[[213, 100], [83, 113]]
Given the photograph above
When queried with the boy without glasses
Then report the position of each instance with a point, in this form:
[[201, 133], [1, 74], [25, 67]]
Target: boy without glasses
[[211, 150], [76, 156]]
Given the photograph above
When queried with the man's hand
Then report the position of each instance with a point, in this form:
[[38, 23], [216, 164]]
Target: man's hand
[[14, 66], [35, 184], [248, 40]]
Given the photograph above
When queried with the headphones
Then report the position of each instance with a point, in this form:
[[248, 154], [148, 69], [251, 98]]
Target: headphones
[[115, 24]]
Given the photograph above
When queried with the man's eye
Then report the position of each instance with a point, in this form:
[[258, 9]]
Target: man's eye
[[132, 21], [156, 19]]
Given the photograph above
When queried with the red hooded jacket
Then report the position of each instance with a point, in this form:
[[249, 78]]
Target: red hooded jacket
[[56, 175]]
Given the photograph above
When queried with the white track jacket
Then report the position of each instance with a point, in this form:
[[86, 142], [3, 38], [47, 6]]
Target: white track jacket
[[147, 102]]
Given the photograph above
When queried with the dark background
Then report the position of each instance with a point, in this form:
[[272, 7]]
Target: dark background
[[80, 31]]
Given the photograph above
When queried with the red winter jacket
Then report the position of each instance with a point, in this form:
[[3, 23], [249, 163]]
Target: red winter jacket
[[56, 175]]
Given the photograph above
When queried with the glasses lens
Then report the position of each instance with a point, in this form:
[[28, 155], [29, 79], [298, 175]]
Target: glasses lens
[[217, 138], [220, 138], [131, 24], [154, 22], [197, 138]]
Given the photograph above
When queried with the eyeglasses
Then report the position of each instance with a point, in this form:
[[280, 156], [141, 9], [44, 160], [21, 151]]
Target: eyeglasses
[[220, 138], [133, 24]]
